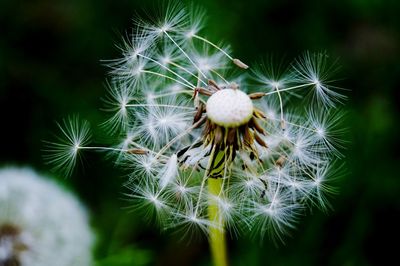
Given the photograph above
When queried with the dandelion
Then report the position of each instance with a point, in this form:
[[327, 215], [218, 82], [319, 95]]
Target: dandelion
[[214, 150], [64, 153], [40, 223]]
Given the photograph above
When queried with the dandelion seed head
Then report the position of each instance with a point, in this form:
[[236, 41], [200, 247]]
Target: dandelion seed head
[[190, 112], [35, 216]]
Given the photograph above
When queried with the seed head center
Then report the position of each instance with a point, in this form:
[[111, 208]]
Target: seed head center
[[229, 108]]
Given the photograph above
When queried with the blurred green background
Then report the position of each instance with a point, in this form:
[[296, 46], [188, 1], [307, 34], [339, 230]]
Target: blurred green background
[[50, 52]]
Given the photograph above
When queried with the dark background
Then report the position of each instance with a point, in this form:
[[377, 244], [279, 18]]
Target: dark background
[[50, 68]]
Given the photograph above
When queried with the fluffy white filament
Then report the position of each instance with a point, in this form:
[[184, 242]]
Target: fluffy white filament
[[169, 172]]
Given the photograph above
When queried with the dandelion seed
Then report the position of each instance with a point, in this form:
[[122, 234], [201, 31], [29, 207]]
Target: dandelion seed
[[62, 155], [315, 70]]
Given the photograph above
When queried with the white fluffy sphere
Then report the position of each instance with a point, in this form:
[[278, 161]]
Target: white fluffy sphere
[[40, 223], [229, 108]]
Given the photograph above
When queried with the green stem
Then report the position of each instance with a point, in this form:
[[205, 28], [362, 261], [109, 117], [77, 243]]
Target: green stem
[[217, 232]]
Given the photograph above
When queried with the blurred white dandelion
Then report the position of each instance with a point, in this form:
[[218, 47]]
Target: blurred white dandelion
[[40, 223], [212, 150]]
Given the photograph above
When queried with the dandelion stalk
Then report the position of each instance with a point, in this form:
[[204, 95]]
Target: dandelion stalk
[[217, 233]]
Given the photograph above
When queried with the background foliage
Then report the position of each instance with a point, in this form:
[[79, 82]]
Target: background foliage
[[50, 68]]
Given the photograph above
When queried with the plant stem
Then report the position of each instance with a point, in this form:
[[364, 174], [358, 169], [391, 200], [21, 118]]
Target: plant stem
[[217, 232]]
